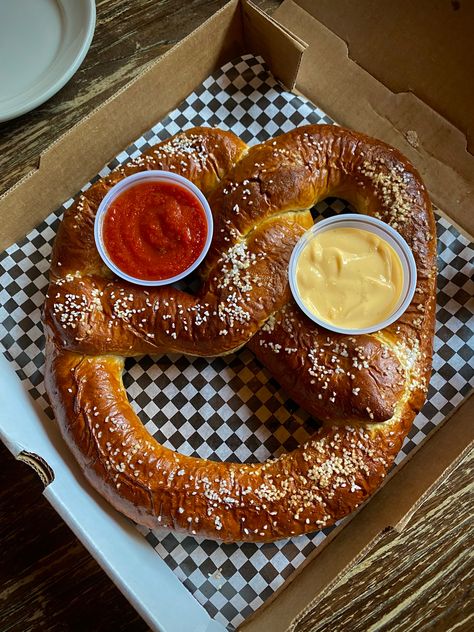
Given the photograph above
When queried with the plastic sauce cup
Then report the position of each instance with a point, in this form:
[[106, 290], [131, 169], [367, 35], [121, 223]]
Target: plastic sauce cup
[[136, 179], [383, 231]]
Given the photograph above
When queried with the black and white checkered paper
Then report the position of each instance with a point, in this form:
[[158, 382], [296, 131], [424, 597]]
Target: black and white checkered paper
[[230, 408]]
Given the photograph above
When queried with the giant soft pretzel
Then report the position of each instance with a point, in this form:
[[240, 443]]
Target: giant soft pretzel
[[366, 389]]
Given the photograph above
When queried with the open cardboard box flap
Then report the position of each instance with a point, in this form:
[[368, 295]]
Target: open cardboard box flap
[[354, 74], [424, 47], [380, 67]]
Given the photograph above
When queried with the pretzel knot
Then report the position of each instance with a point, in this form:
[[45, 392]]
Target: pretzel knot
[[366, 389]]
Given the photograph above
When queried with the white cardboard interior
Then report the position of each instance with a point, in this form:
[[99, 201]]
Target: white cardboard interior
[[145, 579]]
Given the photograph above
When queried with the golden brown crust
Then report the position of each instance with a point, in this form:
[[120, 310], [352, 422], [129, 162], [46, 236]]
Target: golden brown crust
[[365, 389]]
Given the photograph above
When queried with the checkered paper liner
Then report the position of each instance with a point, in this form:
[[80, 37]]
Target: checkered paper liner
[[230, 408]]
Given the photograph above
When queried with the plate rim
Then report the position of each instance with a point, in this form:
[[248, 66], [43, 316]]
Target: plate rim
[[58, 82]]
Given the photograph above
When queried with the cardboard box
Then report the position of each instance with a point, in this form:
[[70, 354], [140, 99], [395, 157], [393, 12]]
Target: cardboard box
[[379, 67]]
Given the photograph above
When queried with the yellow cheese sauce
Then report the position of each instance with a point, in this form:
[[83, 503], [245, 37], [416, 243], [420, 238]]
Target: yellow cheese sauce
[[350, 278]]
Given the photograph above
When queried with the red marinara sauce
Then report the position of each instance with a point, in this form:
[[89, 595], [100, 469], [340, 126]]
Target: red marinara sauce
[[154, 230]]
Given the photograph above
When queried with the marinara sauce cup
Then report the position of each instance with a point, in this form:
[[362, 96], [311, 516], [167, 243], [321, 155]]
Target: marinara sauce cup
[[135, 180], [384, 232]]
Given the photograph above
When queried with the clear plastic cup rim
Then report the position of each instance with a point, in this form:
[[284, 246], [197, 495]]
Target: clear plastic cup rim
[[382, 230], [133, 180]]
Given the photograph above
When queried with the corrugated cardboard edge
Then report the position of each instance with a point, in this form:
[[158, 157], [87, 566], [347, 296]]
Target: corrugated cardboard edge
[[82, 151], [353, 97], [38, 465], [410, 485], [282, 52]]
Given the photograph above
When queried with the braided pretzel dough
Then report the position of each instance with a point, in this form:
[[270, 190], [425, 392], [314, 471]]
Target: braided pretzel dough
[[366, 389]]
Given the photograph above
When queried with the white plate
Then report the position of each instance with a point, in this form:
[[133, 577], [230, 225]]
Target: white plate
[[42, 44]]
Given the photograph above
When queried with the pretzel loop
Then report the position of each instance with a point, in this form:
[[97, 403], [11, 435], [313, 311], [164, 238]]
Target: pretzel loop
[[365, 389]]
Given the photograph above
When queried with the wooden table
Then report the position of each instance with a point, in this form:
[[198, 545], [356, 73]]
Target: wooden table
[[421, 579]]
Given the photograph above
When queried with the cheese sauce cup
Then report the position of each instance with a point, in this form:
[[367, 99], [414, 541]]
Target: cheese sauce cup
[[363, 274], [153, 228]]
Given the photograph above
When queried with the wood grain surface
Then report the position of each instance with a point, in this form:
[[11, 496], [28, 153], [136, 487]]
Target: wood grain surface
[[128, 36], [421, 579]]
